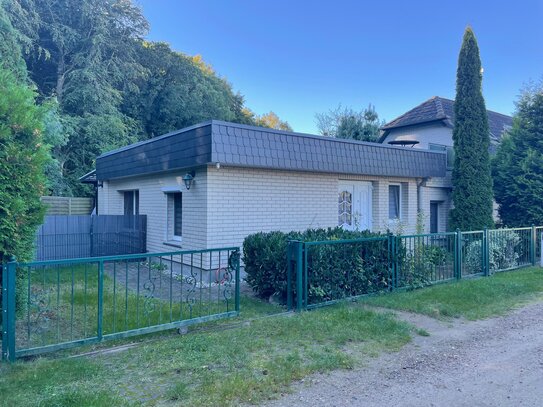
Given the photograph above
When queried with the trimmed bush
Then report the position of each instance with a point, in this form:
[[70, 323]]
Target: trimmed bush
[[335, 271], [503, 251]]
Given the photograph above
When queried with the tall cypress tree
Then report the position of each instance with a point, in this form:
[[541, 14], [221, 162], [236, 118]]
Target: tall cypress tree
[[471, 177]]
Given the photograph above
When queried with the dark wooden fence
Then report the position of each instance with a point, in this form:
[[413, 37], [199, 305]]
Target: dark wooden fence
[[76, 236]]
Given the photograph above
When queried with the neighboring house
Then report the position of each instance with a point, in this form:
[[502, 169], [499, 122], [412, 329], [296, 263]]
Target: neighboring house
[[429, 126], [245, 179]]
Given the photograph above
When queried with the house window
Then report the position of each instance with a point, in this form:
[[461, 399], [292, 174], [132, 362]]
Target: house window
[[394, 202], [448, 149], [131, 202], [345, 208], [175, 216], [434, 216]]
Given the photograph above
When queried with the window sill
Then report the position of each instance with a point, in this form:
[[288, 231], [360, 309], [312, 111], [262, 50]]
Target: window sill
[[173, 243]]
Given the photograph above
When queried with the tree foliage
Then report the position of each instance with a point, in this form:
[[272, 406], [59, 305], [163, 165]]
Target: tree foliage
[[348, 123], [517, 168], [23, 156], [106, 86], [272, 121], [177, 90], [10, 49], [472, 182]]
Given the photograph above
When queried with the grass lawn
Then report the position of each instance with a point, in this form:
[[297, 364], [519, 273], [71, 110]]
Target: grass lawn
[[246, 364], [472, 299]]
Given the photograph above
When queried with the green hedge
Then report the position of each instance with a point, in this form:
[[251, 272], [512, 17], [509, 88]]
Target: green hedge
[[335, 271]]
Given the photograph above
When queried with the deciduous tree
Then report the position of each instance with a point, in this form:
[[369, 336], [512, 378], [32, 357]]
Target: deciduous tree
[[272, 121], [348, 123]]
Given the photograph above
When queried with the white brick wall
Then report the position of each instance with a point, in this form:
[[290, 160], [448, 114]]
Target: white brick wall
[[242, 201], [443, 195], [154, 204], [225, 205]]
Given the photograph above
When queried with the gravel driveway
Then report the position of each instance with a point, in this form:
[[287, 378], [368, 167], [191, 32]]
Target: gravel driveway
[[495, 362]]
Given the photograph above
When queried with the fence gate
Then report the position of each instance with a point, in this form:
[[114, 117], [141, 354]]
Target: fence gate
[[58, 304]]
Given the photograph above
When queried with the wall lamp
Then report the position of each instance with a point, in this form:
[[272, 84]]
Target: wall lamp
[[188, 178]]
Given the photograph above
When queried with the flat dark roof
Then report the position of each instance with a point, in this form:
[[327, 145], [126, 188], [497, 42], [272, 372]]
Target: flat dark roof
[[259, 147]]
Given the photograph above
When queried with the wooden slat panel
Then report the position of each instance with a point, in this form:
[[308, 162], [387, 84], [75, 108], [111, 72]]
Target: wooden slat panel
[[60, 205]]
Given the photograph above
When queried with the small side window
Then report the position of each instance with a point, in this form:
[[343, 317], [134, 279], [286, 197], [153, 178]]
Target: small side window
[[394, 209], [131, 202]]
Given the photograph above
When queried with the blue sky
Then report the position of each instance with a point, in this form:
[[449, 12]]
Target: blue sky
[[301, 57]]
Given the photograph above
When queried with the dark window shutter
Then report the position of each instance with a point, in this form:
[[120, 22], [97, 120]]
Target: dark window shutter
[[177, 214]]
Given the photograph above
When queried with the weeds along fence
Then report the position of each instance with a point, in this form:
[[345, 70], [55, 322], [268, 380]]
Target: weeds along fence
[[324, 272], [53, 305]]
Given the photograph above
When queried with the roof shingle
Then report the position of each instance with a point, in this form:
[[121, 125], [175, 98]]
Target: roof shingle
[[250, 146], [442, 109]]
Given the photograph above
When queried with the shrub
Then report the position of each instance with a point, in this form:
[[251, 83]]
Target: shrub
[[22, 180], [503, 248], [418, 265], [334, 271]]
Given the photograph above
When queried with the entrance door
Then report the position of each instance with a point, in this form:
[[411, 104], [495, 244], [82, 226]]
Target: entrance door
[[434, 217], [354, 205]]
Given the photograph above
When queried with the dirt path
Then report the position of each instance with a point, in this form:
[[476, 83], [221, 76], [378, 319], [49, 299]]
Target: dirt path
[[495, 362]]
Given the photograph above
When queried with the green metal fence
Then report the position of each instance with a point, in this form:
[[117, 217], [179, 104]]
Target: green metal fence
[[538, 243], [324, 272], [471, 253], [338, 269], [52, 305]]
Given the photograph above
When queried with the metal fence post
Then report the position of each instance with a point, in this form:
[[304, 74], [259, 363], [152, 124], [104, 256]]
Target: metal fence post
[[9, 323], [100, 299], [305, 277], [393, 266], [297, 256], [238, 261], [458, 250], [289, 274], [485, 249], [533, 245], [4, 312]]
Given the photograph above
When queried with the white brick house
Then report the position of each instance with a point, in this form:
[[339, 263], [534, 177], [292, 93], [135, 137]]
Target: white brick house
[[429, 126], [248, 179]]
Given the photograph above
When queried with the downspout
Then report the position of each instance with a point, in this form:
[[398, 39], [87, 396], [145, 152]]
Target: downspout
[[421, 182]]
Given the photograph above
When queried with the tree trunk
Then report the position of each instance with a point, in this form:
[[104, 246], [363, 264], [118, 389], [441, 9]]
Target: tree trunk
[[60, 78]]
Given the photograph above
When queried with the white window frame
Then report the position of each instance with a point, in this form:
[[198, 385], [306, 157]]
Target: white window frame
[[135, 200], [170, 213], [399, 218]]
